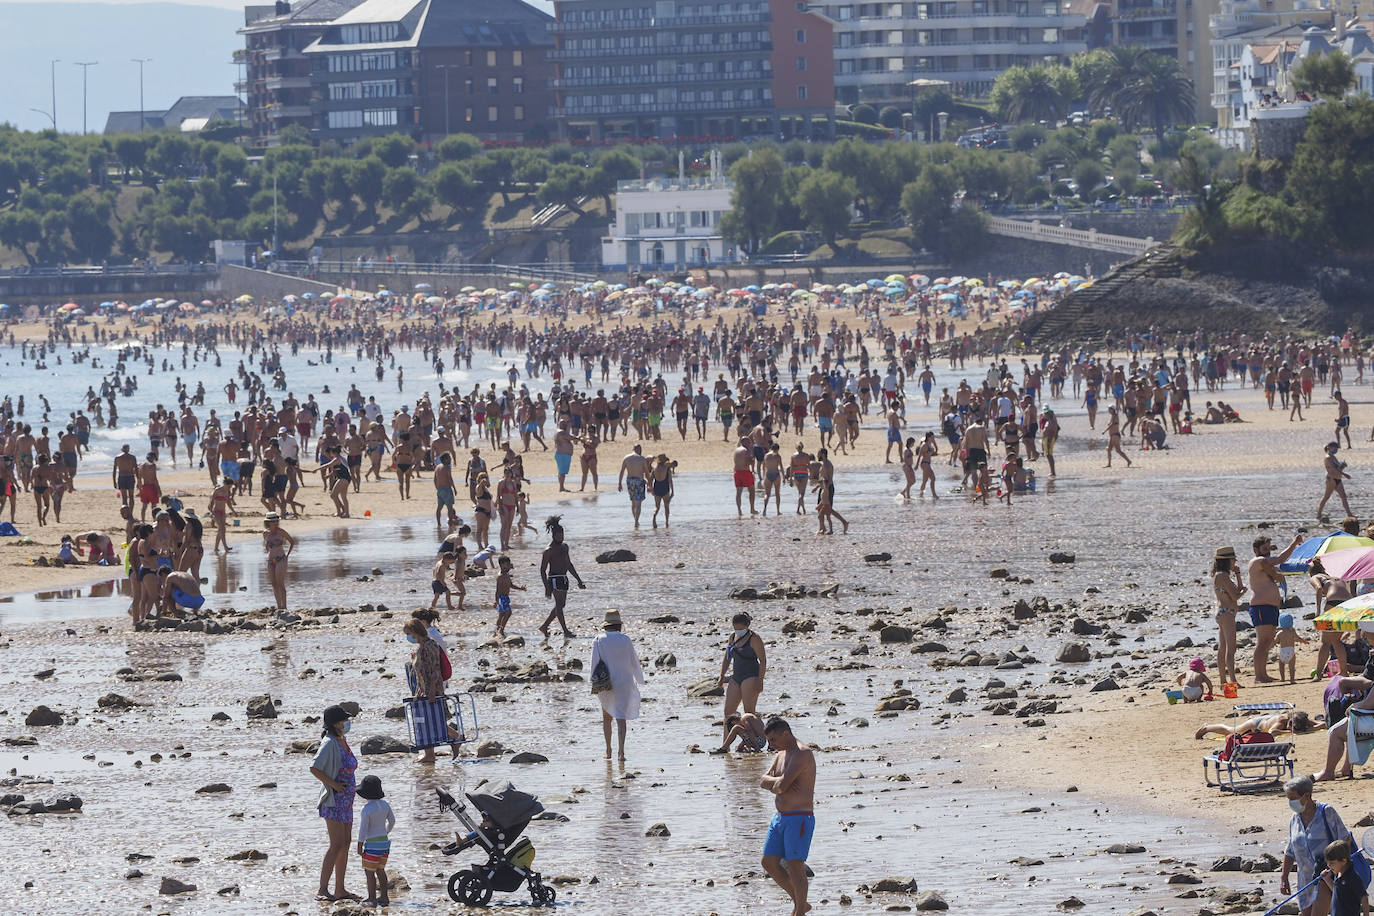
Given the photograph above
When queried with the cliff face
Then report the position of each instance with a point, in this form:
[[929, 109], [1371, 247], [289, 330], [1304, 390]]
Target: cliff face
[[1251, 286]]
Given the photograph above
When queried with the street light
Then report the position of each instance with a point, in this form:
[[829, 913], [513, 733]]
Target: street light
[[46, 114], [446, 68], [85, 65], [52, 74], [140, 61]]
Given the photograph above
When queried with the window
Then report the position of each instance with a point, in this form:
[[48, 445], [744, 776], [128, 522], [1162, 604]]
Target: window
[[467, 58], [801, 36], [492, 113], [491, 58], [339, 92], [801, 63], [517, 85], [517, 58], [519, 113], [491, 85], [467, 86], [467, 115], [344, 119], [844, 13], [379, 117], [801, 93], [980, 7]]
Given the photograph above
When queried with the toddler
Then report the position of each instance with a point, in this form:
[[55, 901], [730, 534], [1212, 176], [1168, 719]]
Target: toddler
[[1195, 682], [1288, 639], [505, 581], [375, 823]]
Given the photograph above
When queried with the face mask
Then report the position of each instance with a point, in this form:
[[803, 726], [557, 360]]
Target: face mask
[[347, 726], [741, 632], [1296, 804], [410, 638]]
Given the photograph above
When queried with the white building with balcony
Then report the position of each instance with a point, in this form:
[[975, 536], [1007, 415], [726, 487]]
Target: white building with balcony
[[670, 224]]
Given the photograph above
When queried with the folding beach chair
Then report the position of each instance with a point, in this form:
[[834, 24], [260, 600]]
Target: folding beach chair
[[1249, 766], [441, 721], [1263, 707]]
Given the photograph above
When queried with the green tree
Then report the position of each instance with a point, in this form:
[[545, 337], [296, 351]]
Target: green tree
[[89, 224], [397, 188], [566, 184], [611, 168], [495, 171], [21, 230], [864, 114], [366, 182], [393, 149], [1143, 88], [1089, 174], [1328, 76], [927, 202], [458, 148], [1331, 179], [1205, 224], [890, 116], [1039, 93], [755, 200], [824, 199], [132, 151], [455, 189]]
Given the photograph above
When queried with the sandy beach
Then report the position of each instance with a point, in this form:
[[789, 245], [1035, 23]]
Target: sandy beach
[[999, 779]]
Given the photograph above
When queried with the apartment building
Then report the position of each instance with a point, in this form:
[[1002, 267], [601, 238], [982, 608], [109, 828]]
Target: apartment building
[[683, 68], [1236, 25], [881, 47], [276, 85]]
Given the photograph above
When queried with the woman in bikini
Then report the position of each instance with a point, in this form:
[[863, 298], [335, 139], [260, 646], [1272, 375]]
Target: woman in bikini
[[482, 510], [661, 481], [588, 459], [800, 468], [1228, 588], [336, 477], [221, 503], [1330, 592], [506, 493], [746, 661], [929, 448], [908, 467], [278, 544]]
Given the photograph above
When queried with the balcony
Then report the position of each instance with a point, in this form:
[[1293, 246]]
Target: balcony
[[737, 47], [280, 53], [1167, 11], [240, 86], [660, 108], [406, 100], [662, 22], [277, 111], [288, 82], [660, 79]]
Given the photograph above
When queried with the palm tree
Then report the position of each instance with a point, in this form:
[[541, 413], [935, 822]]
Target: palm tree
[[1113, 69], [1037, 93], [1157, 93]]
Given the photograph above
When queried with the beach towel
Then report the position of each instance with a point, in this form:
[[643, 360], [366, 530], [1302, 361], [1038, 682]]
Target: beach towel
[[8, 531], [1360, 739]]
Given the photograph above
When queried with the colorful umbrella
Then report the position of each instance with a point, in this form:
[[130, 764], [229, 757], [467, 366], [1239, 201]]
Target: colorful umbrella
[[1350, 563], [1301, 557], [1355, 614]]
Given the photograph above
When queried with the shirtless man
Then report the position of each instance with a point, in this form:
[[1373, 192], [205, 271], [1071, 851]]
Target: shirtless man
[[744, 475], [149, 491], [555, 566], [894, 432], [792, 780], [1342, 417], [633, 471], [178, 589], [563, 453], [1335, 479], [975, 448], [443, 490], [1263, 573], [125, 474], [682, 408]]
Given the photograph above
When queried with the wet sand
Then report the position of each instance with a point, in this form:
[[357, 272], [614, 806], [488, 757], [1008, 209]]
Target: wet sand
[[950, 793]]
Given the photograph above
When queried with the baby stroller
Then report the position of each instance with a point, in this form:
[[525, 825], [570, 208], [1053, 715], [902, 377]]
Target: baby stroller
[[506, 812]]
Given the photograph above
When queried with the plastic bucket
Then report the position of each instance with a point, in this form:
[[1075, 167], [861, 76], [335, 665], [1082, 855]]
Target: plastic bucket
[[1230, 690], [1173, 696]]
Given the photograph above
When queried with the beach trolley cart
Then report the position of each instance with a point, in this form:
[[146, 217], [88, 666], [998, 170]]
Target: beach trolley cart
[[505, 813], [1249, 766], [450, 719]]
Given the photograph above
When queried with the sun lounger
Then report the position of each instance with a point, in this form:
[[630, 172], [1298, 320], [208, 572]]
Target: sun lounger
[[440, 721], [1360, 737], [1249, 767], [1263, 707]]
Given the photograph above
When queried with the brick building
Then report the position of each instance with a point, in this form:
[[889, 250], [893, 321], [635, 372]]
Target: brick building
[[682, 68]]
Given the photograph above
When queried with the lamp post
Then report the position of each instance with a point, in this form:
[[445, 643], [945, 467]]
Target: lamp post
[[141, 61], [85, 65], [52, 75], [446, 68], [47, 115]]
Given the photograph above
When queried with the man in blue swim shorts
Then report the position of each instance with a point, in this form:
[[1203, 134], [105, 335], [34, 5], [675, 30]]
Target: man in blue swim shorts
[[792, 780], [179, 589], [1265, 578]]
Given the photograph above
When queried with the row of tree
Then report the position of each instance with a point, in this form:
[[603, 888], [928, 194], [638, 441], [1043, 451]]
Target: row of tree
[[73, 198]]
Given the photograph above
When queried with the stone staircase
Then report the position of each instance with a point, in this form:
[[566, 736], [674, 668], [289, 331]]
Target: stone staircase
[[1075, 318]]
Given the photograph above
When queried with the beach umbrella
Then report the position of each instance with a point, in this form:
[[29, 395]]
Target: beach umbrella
[[949, 297], [515, 284], [973, 281], [423, 287], [822, 288], [894, 278], [68, 307], [874, 283], [751, 288], [309, 296], [4, 306], [186, 307], [434, 300], [468, 289], [1063, 274], [1009, 284], [1301, 557], [1350, 563], [920, 280], [245, 299], [383, 293], [549, 286], [955, 281], [291, 299], [1355, 614]]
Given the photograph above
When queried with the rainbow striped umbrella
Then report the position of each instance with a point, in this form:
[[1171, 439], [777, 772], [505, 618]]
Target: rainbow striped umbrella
[[1355, 614]]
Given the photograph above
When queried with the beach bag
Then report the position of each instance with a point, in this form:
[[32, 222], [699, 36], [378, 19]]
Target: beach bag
[[1248, 738], [445, 666], [601, 678], [412, 681]]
